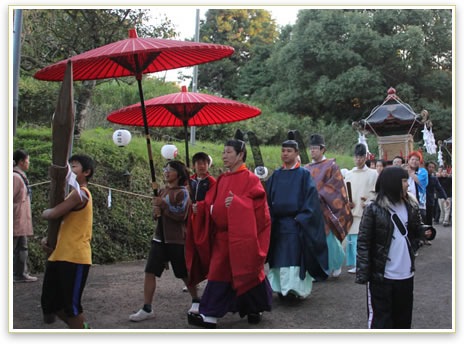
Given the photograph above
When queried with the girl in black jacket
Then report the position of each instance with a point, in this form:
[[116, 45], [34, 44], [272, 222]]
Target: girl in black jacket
[[385, 259]]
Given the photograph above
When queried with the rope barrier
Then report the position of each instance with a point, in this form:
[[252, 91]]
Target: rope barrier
[[36, 184], [122, 191], [104, 187]]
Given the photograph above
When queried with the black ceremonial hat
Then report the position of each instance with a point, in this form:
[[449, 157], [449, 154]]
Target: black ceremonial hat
[[316, 140], [291, 142], [360, 150]]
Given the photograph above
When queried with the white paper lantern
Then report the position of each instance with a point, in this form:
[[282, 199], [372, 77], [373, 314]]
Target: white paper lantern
[[261, 172], [169, 152], [122, 137]]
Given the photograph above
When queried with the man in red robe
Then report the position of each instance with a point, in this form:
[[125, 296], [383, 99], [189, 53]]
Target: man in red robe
[[228, 244]]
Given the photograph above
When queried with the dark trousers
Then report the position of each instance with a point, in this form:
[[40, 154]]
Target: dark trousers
[[19, 256], [389, 304], [436, 212], [429, 214]]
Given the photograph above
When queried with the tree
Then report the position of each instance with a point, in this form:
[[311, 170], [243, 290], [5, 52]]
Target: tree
[[242, 29], [338, 64], [53, 35]]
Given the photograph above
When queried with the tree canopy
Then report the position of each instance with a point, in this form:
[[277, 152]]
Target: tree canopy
[[333, 65], [339, 64], [243, 29], [50, 36]]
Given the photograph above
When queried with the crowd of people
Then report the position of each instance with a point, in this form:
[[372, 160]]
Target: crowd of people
[[305, 222]]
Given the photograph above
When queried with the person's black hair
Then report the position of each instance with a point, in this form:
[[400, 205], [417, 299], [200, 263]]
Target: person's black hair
[[430, 162], [390, 183], [398, 157], [238, 146], [181, 170], [19, 155], [360, 150], [369, 162], [87, 163], [201, 156], [384, 163]]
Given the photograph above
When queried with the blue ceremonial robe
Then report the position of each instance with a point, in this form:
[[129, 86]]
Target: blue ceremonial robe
[[297, 232]]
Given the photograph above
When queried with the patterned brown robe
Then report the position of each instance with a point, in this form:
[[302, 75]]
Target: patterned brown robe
[[333, 196]]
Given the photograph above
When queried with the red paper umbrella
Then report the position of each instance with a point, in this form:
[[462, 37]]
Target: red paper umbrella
[[185, 109], [136, 56]]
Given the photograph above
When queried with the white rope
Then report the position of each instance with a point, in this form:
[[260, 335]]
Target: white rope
[[103, 187]]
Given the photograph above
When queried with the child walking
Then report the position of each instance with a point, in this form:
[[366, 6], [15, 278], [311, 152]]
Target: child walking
[[69, 263], [172, 209]]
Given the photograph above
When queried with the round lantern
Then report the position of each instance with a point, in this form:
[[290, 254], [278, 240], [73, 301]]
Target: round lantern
[[169, 152], [122, 137], [261, 172]]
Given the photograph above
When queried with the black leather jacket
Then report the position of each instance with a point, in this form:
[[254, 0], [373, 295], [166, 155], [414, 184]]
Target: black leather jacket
[[375, 237]]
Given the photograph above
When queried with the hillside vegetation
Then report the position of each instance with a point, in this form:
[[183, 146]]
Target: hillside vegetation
[[123, 231]]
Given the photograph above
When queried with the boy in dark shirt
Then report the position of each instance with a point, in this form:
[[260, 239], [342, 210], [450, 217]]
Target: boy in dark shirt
[[201, 181]]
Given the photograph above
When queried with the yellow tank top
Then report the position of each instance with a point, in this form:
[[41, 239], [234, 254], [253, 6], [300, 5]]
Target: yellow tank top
[[73, 243]]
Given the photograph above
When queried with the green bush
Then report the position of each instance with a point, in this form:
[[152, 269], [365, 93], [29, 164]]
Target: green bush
[[270, 127], [116, 94], [122, 232], [37, 100]]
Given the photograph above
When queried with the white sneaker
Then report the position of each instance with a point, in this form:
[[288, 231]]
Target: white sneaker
[[337, 272], [352, 271], [25, 278], [141, 315]]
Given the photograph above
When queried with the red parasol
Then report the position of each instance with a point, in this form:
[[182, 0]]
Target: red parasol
[[136, 56], [185, 109]]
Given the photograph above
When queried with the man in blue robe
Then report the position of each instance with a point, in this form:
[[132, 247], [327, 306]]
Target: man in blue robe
[[298, 248]]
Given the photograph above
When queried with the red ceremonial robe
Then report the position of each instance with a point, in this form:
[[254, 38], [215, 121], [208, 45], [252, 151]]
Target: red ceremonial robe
[[230, 244]]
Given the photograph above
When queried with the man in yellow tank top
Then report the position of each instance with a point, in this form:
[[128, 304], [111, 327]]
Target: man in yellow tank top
[[68, 265]]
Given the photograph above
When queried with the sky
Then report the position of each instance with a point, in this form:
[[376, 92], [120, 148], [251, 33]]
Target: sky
[[183, 18]]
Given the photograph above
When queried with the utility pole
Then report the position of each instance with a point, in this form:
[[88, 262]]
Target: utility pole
[[195, 70], [17, 25]]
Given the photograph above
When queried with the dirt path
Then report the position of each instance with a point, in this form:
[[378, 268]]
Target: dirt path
[[115, 291]]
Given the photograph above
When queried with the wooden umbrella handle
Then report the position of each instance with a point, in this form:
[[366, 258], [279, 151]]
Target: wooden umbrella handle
[[350, 195]]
